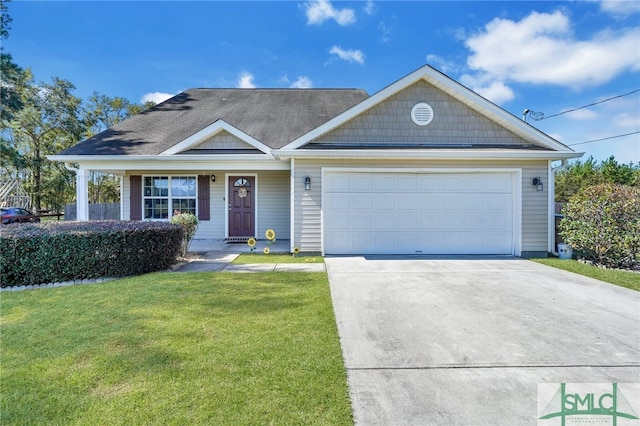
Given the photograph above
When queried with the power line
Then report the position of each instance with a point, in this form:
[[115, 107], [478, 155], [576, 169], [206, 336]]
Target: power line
[[540, 115], [604, 139]]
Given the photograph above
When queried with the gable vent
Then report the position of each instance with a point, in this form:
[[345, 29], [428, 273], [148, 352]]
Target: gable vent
[[422, 114]]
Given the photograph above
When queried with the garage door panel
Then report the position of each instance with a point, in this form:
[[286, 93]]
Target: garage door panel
[[476, 221], [407, 213], [406, 221], [336, 182], [405, 183], [382, 183], [429, 221], [364, 223], [337, 201], [385, 221], [338, 223], [498, 221], [406, 203], [459, 184], [360, 202], [497, 183], [500, 202], [455, 220], [340, 242], [384, 201], [454, 202], [361, 183], [427, 183]]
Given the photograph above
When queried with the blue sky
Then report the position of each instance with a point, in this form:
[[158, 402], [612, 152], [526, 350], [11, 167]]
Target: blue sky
[[544, 56]]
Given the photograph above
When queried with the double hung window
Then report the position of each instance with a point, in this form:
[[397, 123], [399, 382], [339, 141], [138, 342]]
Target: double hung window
[[164, 196]]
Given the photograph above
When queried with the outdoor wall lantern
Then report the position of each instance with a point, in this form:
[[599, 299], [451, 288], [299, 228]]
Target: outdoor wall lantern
[[213, 178], [537, 182], [307, 183]]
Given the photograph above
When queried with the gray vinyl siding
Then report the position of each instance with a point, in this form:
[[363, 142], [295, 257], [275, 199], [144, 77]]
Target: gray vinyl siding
[[272, 202], [307, 204], [535, 209], [390, 123]]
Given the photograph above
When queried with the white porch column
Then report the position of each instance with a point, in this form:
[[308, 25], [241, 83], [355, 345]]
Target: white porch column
[[82, 195]]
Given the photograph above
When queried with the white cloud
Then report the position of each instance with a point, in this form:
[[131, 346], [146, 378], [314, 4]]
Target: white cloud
[[494, 90], [541, 49], [441, 64], [627, 120], [369, 8], [620, 7], [156, 97], [302, 82], [245, 81], [497, 92], [385, 32], [348, 55], [582, 115], [319, 11]]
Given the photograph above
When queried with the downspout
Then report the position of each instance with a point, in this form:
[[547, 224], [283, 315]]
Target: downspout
[[292, 210], [552, 201]]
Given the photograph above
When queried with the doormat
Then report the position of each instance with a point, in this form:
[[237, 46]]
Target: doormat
[[236, 239]]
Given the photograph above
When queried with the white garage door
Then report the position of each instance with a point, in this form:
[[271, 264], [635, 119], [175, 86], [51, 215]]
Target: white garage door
[[418, 213]]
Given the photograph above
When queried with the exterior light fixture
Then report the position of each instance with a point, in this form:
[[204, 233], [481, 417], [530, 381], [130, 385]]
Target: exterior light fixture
[[537, 182], [213, 178], [307, 183]]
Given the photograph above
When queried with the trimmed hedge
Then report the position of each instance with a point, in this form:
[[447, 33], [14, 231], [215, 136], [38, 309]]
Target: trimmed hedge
[[66, 251]]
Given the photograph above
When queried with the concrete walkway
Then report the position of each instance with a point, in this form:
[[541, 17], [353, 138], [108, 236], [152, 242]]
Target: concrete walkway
[[216, 255], [471, 340]]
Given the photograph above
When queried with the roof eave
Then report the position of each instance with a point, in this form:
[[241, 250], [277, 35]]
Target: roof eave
[[427, 154], [113, 163]]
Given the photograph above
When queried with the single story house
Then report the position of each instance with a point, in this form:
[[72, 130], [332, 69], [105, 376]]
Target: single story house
[[424, 166]]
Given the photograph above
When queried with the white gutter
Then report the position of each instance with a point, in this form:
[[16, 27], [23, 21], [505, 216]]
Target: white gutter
[[118, 163], [552, 204], [176, 158], [69, 167]]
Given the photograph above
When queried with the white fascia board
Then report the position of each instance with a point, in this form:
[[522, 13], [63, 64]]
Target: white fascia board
[[448, 85], [182, 162], [211, 130], [426, 155]]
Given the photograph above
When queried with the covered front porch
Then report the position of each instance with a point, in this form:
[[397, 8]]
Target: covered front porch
[[155, 190]]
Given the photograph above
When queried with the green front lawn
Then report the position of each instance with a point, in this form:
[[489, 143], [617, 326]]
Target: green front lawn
[[626, 279], [165, 348], [259, 257]]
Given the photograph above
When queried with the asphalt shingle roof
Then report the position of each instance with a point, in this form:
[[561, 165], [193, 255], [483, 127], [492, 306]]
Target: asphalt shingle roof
[[274, 117]]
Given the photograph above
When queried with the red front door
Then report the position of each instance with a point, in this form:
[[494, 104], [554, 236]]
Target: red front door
[[242, 206]]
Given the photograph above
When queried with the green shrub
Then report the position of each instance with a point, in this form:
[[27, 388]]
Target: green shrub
[[189, 224], [66, 251], [602, 223]]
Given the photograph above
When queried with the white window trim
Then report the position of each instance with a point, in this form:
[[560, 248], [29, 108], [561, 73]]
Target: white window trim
[[169, 197]]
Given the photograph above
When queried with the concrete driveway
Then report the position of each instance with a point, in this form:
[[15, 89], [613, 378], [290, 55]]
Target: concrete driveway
[[467, 341]]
